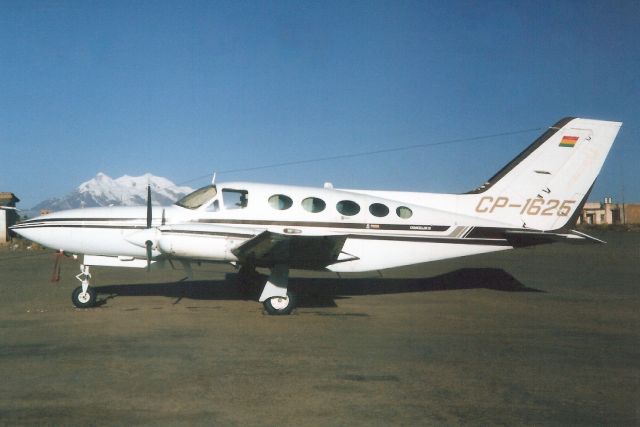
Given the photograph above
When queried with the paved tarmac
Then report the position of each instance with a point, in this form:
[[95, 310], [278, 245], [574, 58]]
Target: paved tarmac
[[542, 336]]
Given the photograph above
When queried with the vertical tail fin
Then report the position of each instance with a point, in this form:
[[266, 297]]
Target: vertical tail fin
[[545, 185]]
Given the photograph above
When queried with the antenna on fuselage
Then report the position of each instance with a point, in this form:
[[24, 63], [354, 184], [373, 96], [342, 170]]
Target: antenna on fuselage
[[213, 179]]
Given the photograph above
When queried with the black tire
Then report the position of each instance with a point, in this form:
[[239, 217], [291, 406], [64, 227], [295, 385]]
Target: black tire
[[87, 301], [277, 306]]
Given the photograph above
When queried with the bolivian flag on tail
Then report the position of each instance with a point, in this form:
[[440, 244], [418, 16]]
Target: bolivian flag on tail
[[568, 141]]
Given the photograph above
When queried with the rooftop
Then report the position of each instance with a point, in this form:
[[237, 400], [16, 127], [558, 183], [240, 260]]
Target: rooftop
[[8, 199]]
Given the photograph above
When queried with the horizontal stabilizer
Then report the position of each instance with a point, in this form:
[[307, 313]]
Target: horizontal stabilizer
[[583, 237], [523, 238]]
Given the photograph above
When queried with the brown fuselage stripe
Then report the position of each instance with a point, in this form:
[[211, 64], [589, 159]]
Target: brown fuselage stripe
[[363, 226], [476, 236]]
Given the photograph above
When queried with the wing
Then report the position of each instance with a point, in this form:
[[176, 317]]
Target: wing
[[306, 252]]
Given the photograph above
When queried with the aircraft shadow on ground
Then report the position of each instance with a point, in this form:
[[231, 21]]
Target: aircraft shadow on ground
[[324, 292]]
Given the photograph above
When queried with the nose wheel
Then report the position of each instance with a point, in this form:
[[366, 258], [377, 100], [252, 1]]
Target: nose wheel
[[83, 296], [83, 299]]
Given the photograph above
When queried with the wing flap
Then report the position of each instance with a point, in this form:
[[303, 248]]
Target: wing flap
[[309, 252]]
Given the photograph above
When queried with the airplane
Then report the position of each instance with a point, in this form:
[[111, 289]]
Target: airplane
[[535, 199]]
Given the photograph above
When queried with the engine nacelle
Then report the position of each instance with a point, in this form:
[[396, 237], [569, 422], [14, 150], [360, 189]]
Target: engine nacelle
[[207, 242]]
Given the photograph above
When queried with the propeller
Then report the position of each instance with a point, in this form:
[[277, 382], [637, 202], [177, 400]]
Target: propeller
[[149, 244], [149, 235], [149, 212]]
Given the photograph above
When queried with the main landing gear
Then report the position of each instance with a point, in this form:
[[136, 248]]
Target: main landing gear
[[274, 295], [83, 296], [280, 305]]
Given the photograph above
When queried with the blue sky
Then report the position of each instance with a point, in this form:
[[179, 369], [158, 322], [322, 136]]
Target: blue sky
[[181, 89]]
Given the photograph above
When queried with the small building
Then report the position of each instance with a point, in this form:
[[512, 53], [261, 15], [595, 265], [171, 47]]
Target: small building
[[631, 213], [607, 212], [8, 217]]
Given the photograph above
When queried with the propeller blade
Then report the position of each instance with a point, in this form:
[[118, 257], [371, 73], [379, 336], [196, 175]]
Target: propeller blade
[[149, 212], [149, 246]]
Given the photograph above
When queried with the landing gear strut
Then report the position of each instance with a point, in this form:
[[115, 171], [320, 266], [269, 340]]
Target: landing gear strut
[[275, 297], [83, 296]]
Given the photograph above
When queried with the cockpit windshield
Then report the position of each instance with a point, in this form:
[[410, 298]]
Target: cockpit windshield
[[198, 198]]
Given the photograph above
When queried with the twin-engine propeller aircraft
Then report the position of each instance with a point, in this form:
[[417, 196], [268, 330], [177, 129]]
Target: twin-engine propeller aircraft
[[535, 199]]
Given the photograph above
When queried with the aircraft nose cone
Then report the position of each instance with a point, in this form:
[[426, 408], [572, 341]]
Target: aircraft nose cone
[[44, 230], [30, 233]]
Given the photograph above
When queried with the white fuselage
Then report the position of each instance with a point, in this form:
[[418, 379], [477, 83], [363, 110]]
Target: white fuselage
[[389, 229]]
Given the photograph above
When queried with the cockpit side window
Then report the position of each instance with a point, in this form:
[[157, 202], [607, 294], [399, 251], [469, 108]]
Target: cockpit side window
[[198, 198], [234, 199]]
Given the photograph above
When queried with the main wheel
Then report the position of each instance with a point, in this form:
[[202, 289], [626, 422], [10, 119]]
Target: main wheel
[[83, 299], [280, 305]]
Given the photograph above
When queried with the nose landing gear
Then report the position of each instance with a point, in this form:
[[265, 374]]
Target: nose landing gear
[[83, 296]]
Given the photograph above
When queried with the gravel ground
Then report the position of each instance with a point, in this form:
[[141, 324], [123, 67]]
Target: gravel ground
[[541, 336]]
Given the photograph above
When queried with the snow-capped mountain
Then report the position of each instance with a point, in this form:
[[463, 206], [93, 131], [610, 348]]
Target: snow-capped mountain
[[102, 190]]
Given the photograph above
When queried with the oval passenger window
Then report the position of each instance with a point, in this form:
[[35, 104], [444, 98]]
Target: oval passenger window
[[313, 204], [404, 212], [378, 209], [347, 207], [280, 202]]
